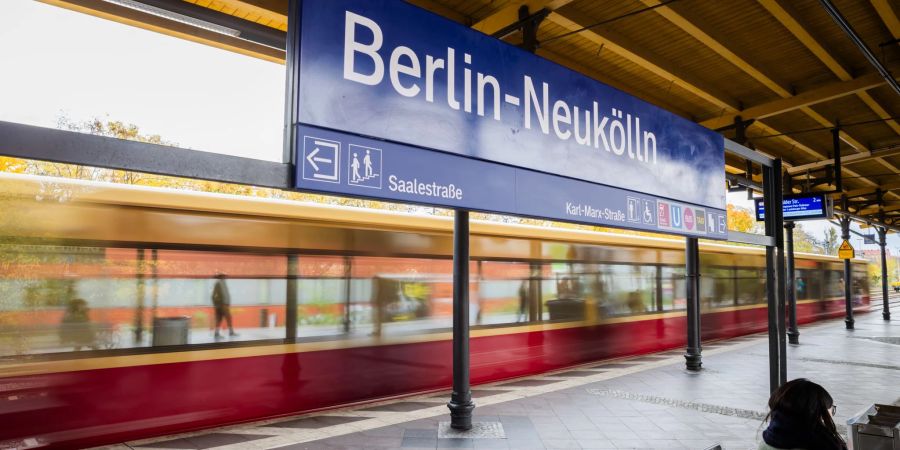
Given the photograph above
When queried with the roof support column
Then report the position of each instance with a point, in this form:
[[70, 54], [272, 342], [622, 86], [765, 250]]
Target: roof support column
[[848, 281], [461, 404], [775, 274], [882, 242], [793, 333], [692, 273]]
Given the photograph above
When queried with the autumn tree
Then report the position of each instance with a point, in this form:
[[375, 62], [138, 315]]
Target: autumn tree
[[741, 219], [830, 242], [803, 241]]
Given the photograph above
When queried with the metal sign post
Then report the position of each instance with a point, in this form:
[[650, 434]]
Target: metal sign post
[[793, 333], [461, 404], [846, 253], [882, 242], [692, 273]]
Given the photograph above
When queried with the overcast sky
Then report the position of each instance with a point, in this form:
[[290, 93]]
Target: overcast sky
[[57, 62]]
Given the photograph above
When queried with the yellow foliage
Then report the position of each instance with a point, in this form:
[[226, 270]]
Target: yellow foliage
[[740, 219], [12, 165]]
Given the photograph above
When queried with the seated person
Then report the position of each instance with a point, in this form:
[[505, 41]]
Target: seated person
[[800, 417]]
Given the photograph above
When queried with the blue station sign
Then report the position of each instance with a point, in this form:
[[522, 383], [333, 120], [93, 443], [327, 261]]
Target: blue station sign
[[400, 104], [800, 207]]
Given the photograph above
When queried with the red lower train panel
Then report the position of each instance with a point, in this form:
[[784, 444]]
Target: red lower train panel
[[93, 407]]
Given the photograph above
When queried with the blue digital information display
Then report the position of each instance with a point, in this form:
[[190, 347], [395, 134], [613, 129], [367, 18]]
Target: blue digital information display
[[398, 103], [799, 207]]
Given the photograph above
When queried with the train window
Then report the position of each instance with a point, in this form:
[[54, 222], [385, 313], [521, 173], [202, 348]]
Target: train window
[[629, 289], [571, 293], [63, 298], [504, 292], [594, 291], [391, 296], [717, 287], [324, 291], [834, 283], [808, 284], [673, 288], [751, 286]]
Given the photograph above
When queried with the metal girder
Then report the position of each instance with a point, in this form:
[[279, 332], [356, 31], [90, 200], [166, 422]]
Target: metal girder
[[31, 142], [657, 66], [845, 26], [653, 63], [723, 51], [850, 159], [750, 238], [868, 191], [152, 22], [887, 15], [820, 94], [716, 46], [748, 154], [884, 10], [250, 31], [886, 207]]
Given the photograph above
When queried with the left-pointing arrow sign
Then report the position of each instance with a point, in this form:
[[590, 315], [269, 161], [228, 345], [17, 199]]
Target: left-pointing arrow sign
[[321, 160], [312, 159]]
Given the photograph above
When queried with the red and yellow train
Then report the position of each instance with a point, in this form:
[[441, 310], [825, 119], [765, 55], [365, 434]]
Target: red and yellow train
[[108, 330]]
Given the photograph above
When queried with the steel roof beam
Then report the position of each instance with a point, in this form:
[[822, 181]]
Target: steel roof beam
[[69, 147], [886, 207], [820, 94], [629, 51], [509, 14], [813, 45], [723, 51], [884, 10], [841, 21], [653, 63], [145, 20]]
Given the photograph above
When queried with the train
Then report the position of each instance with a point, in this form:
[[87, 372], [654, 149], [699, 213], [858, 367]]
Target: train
[[109, 329]]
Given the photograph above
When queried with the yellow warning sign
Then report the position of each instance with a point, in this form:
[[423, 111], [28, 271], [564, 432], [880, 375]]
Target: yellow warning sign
[[846, 250]]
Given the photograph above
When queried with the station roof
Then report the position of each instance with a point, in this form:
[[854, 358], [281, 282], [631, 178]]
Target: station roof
[[786, 65]]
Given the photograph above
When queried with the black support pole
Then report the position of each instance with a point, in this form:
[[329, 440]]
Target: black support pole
[[290, 307], [773, 208], [461, 405], [882, 242], [848, 280], [692, 273], [793, 333], [778, 217]]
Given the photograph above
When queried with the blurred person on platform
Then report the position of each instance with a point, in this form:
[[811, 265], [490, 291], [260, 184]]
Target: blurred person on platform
[[221, 300]]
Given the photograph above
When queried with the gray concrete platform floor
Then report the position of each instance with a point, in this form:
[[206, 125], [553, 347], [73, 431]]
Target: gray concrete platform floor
[[647, 402]]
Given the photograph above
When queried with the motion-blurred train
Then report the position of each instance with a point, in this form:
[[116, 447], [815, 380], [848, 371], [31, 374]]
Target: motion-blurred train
[[109, 330]]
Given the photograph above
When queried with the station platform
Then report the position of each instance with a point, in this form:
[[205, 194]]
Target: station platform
[[646, 402]]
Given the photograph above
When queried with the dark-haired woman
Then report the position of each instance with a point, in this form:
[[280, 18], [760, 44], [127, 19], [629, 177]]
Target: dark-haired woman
[[800, 417]]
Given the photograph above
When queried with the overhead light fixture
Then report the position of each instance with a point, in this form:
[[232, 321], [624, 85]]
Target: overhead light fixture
[[181, 18]]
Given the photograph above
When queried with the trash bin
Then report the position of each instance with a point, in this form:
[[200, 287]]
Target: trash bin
[[876, 428], [171, 330], [566, 308]]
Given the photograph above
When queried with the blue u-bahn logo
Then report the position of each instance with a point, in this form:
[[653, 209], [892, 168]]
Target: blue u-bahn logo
[[676, 216]]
